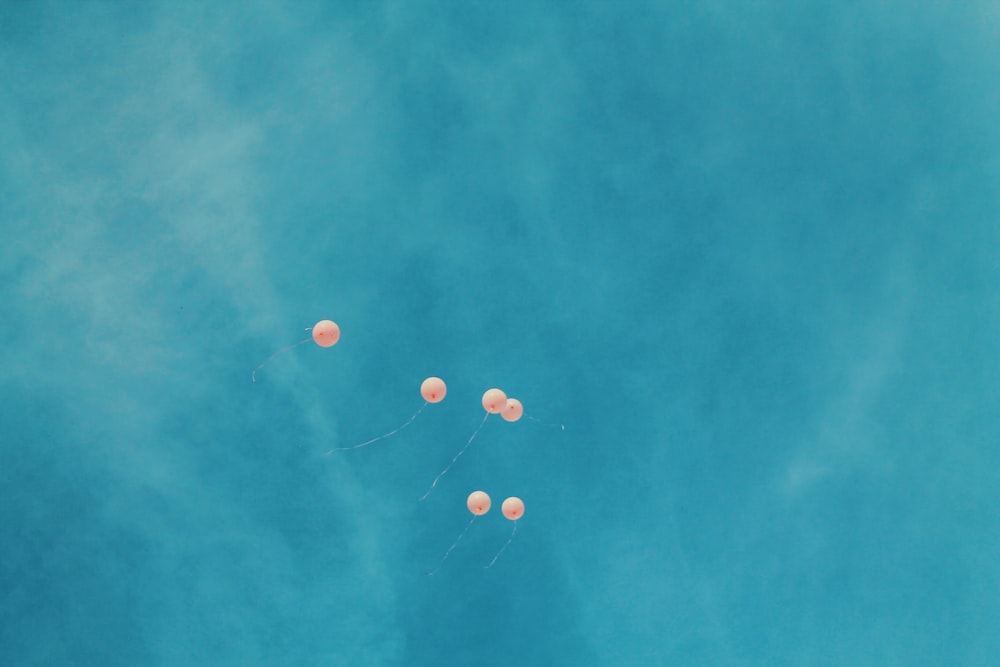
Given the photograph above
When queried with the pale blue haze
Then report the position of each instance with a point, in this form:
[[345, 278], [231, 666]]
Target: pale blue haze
[[747, 252]]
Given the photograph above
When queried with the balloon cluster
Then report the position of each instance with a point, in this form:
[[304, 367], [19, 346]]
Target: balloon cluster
[[326, 333], [512, 508]]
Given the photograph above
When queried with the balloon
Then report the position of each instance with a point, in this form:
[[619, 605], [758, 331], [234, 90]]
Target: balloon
[[433, 390], [326, 333], [513, 508], [478, 503], [494, 401], [513, 410]]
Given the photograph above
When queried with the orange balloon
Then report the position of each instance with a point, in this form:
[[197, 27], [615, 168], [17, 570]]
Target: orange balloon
[[478, 503], [513, 508], [326, 333], [433, 390], [513, 410], [494, 401]]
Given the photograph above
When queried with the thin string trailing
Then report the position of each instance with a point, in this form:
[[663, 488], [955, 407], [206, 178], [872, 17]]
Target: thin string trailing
[[392, 432], [509, 540], [253, 374], [454, 544], [562, 427], [448, 467]]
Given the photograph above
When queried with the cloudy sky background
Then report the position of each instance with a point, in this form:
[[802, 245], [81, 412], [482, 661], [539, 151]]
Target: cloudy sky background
[[748, 254]]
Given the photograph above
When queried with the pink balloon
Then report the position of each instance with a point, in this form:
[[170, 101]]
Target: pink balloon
[[326, 333], [513, 410], [513, 508], [478, 503], [433, 390], [494, 401]]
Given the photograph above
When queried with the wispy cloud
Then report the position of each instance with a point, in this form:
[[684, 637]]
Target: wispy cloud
[[142, 187]]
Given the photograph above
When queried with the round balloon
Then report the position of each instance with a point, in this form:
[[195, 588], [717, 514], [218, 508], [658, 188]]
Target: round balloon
[[513, 508], [494, 401], [433, 390], [513, 410], [478, 503], [326, 333]]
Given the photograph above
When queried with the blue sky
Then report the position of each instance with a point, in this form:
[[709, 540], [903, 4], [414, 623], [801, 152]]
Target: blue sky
[[747, 253]]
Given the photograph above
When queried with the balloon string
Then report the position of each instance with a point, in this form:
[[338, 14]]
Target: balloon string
[[253, 375], [448, 467], [562, 427], [454, 544], [509, 540], [393, 432]]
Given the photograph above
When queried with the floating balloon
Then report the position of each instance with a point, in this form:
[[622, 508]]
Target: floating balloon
[[494, 402], [478, 503], [513, 509], [325, 333], [432, 389], [513, 410]]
